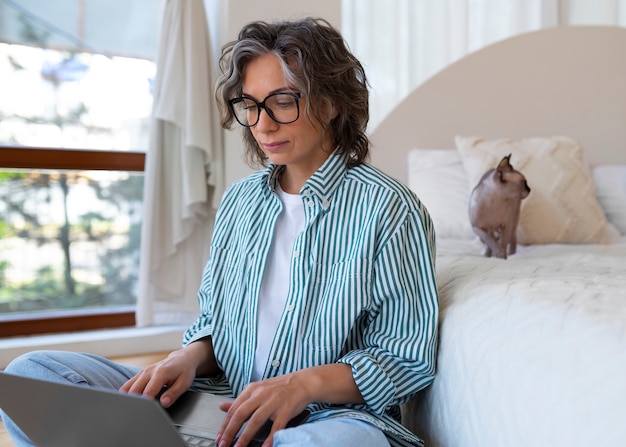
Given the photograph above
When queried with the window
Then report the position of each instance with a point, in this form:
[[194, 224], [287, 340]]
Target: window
[[74, 123]]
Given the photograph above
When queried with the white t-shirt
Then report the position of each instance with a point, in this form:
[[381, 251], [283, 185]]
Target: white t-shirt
[[275, 286]]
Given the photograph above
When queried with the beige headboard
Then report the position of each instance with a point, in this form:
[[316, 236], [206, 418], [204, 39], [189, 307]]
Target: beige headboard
[[558, 81]]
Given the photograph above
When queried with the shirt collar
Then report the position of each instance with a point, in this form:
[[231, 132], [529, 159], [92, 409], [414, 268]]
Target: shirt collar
[[322, 183]]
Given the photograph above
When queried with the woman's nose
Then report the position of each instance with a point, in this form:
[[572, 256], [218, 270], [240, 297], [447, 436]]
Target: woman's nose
[[265, 123]]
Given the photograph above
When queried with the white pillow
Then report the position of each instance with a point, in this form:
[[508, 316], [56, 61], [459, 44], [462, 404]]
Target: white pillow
[[562, 206], [438, 178], [610, 181]]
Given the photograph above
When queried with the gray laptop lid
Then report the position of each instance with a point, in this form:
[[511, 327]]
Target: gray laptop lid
[[62, 415]]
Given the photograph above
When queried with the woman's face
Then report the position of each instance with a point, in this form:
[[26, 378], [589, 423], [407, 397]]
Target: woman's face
[[302, 146]]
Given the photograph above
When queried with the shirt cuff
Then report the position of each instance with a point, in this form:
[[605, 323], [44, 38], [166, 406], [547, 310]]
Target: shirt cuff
[[375, 386], [192, 335]]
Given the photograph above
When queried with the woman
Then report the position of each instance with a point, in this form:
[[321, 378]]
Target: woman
[[319, 291]]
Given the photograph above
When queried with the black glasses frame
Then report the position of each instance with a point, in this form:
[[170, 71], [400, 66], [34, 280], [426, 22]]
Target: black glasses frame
[[261, 105]]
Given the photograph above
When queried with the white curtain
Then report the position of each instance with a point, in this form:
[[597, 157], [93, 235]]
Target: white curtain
[[184, 170], [402, 43]]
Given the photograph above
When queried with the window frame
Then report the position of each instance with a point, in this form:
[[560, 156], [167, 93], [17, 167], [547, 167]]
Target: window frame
[[25, 157]]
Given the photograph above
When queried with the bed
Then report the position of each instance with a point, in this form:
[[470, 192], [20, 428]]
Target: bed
[[532, 349]]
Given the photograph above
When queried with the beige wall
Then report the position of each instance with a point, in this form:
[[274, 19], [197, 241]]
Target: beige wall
[[239, 12], [226, 17]]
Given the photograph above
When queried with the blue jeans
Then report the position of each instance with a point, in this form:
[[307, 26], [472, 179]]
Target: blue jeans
[[79, 368]]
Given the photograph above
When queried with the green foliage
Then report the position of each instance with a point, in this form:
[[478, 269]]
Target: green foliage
[[3, 267], [5, 229]]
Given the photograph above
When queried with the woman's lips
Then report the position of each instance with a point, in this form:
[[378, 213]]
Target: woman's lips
[[274, 147]]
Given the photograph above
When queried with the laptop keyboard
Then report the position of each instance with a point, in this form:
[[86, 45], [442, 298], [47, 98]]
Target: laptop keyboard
[[194, 441]]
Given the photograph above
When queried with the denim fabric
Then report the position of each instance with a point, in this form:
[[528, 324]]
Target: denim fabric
[[337, 431]]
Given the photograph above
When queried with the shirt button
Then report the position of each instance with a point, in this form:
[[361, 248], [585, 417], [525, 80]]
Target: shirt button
[[290, 308], [296, 253], [325, 204], [310, 203], [276, 363], [306, 193]]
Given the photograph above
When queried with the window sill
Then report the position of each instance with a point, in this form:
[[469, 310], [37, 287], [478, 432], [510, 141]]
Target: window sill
[[107, 343]]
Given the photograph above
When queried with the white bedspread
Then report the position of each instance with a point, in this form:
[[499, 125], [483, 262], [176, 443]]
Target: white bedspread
[[532, 349]]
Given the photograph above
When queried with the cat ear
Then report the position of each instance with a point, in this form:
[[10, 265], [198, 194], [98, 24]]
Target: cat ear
[[505, 165]]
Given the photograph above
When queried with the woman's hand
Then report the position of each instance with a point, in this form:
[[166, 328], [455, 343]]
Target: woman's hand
[[278, 399], [281, 398], [176, 372]]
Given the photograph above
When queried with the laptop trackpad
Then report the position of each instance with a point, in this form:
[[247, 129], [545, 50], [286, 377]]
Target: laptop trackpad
[[199, 411]]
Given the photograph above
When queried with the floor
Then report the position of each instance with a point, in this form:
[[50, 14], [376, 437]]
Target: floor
[[138, 360]]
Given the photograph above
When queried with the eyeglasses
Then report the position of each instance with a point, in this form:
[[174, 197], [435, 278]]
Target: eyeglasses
[[281, 107]]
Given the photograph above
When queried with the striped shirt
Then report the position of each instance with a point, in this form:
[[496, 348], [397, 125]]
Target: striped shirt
[[362, 288]]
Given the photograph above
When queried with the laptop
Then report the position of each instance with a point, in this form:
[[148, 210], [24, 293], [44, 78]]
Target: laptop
[[64, 415]]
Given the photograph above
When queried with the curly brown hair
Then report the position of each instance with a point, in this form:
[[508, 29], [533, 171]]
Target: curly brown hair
[[317, 62]]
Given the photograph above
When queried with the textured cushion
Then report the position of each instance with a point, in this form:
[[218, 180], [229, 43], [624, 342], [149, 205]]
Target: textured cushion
[[610, 181], [562, 206], [438, 178]]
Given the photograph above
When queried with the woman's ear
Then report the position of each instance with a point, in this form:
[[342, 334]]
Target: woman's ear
[[325, 111], [331, 111]]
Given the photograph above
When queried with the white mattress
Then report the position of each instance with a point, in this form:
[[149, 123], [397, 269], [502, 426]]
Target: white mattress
[[532, 349]]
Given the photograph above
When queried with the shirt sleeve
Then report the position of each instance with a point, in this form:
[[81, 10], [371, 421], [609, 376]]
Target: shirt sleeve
[[399, 345], [203, 326]]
